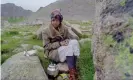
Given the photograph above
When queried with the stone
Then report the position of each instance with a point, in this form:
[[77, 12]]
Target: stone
[[112, 59], [63, 67], [17, 50], [26, 46], [74, 27], [30, 53], [82, 41], [16, 37], [20, 67], [39, 32], [36, 47]]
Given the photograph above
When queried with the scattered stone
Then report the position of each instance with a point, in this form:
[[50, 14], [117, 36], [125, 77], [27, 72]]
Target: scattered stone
[[30, 53], [20, 67], [127, 74], [26, 46], [39, 32], [131, 50], [16, 37], [118, 36], [82, 41], [17, 50], [63, 67], [36, 47], [27, 37]]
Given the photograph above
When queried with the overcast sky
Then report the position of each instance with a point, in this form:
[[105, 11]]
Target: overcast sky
[[33, 5]]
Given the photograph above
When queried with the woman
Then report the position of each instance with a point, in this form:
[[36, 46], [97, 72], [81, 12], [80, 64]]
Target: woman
[[59, 44]]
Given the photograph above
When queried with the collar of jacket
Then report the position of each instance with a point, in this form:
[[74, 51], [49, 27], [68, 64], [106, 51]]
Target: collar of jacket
[[56, 32]]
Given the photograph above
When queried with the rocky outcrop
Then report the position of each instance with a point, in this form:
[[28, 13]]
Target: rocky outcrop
[[11, 10], [112, 41], [20, 67]]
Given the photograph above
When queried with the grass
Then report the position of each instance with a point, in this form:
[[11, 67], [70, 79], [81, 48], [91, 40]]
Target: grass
[[15, 20], [8, 43], [81, 23], [85, 63]]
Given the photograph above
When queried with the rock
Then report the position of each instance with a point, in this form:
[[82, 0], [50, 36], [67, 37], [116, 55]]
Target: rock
[[63, 67], [4, 42], [20, 67], [30, 53], [112, 59], [39, 32], [16, 37], [26, 46], [27, 37], [74, 27], [25, 33], [17, 50], [82, 41], [36, 47], [72, 33]]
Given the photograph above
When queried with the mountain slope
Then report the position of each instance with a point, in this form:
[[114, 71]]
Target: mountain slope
[[71, 10], [11, 10]]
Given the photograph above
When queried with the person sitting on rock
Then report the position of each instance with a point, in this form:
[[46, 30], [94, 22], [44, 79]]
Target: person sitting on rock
[[59, 44]]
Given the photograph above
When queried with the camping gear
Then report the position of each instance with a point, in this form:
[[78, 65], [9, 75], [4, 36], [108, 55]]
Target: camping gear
[[52, 70]]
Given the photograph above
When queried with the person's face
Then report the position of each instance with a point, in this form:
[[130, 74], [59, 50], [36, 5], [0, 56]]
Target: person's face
[[55, 23]]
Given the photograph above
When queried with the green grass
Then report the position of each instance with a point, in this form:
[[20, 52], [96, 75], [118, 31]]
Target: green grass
[[15, 20], [81, 23], [11, 43], [85, 62], [44, 61]]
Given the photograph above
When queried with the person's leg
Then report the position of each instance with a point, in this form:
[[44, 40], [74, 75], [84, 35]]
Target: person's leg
[[75, 60], [70, 61], [71, 65]]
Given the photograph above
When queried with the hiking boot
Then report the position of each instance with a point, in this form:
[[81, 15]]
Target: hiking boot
[[72, 74]]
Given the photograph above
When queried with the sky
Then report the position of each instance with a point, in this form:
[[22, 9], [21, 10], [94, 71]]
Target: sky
[[32, 5]]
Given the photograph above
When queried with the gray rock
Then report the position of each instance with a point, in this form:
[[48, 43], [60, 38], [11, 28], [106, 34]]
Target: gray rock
[[20, 67], [112, 58], [63, 67], [82, 41], [76, 29], [39, 32], [30, 53], [27, 37], [16, 37], [36, 47], [26, 47], [17, 50]]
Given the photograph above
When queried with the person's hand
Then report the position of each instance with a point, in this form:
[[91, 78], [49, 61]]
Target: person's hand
[[64, 43]]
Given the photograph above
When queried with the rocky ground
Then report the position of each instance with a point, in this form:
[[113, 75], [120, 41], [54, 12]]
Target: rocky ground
[[16, 40]]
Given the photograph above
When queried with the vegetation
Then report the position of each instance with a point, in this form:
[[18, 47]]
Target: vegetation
[[9, 43], [15, 19]]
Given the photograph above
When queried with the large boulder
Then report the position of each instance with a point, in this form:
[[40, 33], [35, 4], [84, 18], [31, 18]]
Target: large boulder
[[39, 33], [73, 28], [112, 41], [20, 67]]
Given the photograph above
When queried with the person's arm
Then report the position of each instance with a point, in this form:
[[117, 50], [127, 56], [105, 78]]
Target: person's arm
[[46, 42]]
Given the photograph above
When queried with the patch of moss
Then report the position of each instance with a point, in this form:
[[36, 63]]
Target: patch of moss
[[124, 59], [123, 3], [108, 40]]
